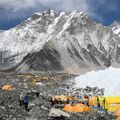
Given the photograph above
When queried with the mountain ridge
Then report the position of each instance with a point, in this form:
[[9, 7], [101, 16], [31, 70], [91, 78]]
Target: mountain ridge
[[73, 42]]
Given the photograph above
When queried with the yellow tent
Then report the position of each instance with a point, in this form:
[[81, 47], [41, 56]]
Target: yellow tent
[[44, 78], [80, 108], [112, 103], [68, 108], [7, 87], [93, 101]]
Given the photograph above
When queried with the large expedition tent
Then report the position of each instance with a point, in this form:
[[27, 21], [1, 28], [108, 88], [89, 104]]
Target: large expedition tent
[[112, 103]]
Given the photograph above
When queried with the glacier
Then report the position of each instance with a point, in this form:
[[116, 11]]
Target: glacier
[[108, 79]]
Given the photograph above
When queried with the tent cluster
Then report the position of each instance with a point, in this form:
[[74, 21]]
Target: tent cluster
[[84, 104], [33, 78], [72, 104]]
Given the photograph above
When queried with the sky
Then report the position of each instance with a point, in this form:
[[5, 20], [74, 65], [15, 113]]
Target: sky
[[13, 12]]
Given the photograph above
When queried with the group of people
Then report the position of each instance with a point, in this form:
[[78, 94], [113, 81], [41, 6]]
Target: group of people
[[84, 100], [24, 101], [101, 102], [55, 101]]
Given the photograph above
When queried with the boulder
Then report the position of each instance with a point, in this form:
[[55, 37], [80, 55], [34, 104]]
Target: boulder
[[56, 113]]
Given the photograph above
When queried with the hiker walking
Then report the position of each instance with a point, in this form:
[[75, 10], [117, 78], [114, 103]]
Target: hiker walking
[[52, 102], [21, 101], [67, 101], [104, 103], [26, 101], [86, 100], [100, 101]]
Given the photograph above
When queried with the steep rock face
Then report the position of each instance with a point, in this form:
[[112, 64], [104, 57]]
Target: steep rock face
[[44, 60], [69, 42], [28, 37]]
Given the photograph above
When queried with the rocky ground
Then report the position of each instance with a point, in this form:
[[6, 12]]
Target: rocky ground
[[39, 107]]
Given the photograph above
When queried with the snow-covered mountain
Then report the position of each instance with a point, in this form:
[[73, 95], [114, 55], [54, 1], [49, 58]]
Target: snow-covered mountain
[[115, 26], [69, 42]]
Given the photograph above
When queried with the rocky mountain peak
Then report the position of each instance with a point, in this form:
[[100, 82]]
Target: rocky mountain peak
[[115, 23], [45, 13], [46, 41], [115, 26]]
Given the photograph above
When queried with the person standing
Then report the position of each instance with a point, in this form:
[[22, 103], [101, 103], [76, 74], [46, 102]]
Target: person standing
[[37, 94], [21, 101], [104, 103], [26, 101]]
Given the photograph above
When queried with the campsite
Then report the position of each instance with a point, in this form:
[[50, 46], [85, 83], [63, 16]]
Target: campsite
[[59, 59], [71, 103]]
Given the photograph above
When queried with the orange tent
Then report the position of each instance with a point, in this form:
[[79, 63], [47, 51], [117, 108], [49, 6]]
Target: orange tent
[[77, 108], [60, 97], [118, 118], [93, 101], [117, 113], [7, 87], [68, 108], [80, 108]]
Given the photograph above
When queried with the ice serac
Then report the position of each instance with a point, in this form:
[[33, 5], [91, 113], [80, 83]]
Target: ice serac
[[51, 41], [101, 79]]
